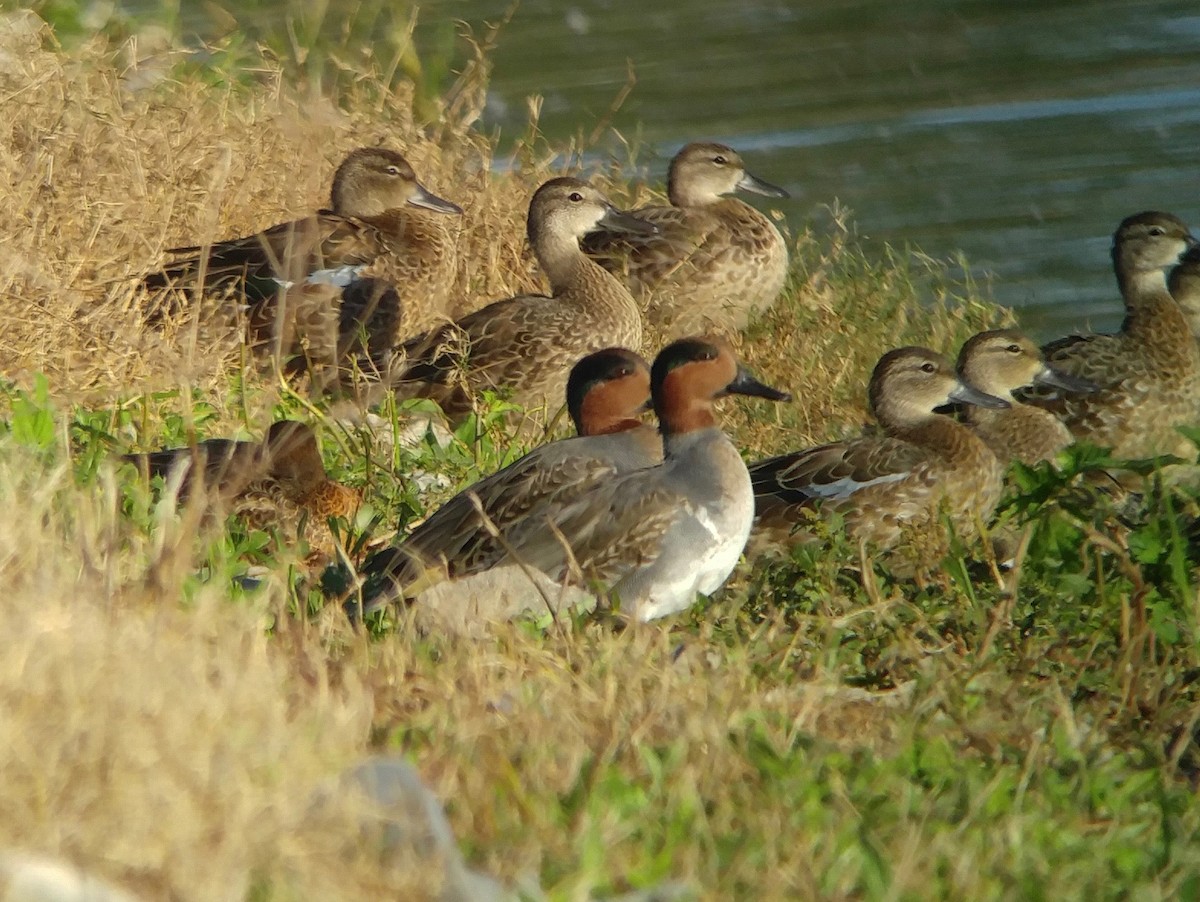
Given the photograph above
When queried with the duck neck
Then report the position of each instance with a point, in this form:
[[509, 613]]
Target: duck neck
[[611, 426], [942, 435], [987, 416], [1154, 319], [676, 442], [561, 260], [680, 422], [683, 195]]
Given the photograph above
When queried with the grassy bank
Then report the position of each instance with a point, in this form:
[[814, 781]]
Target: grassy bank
[[808, 734]]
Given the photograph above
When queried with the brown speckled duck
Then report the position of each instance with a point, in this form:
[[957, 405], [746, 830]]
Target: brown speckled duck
[[715, 260], [279, 482], [606, 394], [1149, 371], [525, 346], [886, 486], [998, 363], [382, 222]]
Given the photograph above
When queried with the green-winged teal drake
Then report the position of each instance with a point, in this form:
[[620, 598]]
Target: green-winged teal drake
[[885, 486], [525, 346], [606, 394], [657, 537], [1149, 371], [382, 222], [715, 260], [998, 363], [280, 481]]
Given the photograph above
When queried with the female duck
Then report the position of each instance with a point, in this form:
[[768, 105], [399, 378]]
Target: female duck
[[715, 260], [885, 485], [998, 363], [279, 482], [383, 222], [525, 346], [1149, 372], [606, 394]]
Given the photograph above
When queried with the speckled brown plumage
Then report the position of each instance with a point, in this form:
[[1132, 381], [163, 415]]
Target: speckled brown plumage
[[891, 486], [382, 223], [525, 346], [1149, 372], [279, 483], [999, 362], [716, 259]]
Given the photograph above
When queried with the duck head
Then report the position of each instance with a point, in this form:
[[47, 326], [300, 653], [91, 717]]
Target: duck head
[[373, 180], [608, 391], [1148, 243], [690, 374], [1000, 361], [571, 208], [704, 172], [909, 384]]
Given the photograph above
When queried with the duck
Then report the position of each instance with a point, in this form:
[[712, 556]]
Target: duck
[[1184, 285], [655, 537], [1149, 371], [895, 484], [525, 346], [607, 393], [658, 537], [278, 482], [381, 222], [715, 261], [998, 362]]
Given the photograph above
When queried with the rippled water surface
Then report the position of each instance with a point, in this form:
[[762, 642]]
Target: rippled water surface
[[1019, 133]]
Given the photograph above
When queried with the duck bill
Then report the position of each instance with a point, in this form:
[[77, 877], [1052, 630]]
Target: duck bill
[[965, 394], [430, 201], [1054, 379], [755, 185], [745, 384], [1192, 254], [614, 220]]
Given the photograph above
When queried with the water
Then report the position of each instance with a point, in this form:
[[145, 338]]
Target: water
[[1019, 133]]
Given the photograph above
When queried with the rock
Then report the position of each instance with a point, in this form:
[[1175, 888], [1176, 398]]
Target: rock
[[30, 878], [467, 606], [402, 821]]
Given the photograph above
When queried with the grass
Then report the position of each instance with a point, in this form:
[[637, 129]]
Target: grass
[[809, 733]]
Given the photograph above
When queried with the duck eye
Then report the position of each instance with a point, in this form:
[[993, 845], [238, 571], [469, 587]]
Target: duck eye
[[575, 197], [393, 170], [1013, 349], [720, 160], [928, 368], [1157, 231]]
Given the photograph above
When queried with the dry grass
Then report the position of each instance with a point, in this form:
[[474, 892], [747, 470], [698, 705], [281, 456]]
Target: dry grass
[[167, 731]]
